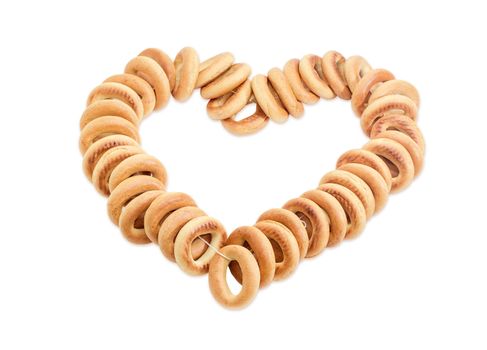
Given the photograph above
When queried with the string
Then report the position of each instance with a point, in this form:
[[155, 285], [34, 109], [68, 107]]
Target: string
[[215, 249]]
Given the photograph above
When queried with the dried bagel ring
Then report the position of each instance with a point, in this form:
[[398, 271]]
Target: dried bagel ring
[[362, 156], [364, 88], [230, 104], [395, 87], [352, 206], [293, 224], [107, 162], [218, 281], [355, 68], [287, 246], [268, 100], [213, 68], [236, 75], [412, 147], [164, 61], [171, 226], [285, 92], [98, 148], [152, 72], [194, 228], [117, 91], [131, 219], [137, 164], [186, 65], [300, 90], [332, 65], [160, 208], [140, 86], [128, 190], [257, 242], [317, 223], [105, 108], [392, 104], [398, 159], [373, 179], [355, 184], [400, 123], [312, 74], [103, 127], [336, 214]]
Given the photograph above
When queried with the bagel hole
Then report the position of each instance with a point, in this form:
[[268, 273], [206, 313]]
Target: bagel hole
[[234, 284], [139, 222], [306, 223], [277, 251], [234, 267], [319, 69], [198, 247], [392, 167], [392, 128], [147, 173], [245, 112], [235, 271]]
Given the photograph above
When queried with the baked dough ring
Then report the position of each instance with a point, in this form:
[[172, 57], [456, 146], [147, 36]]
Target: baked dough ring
[[395, 87], [108, 91], [392, 104], [140, 86], [98, 148], [332, 65], [137, 164], [355, 184], [400, 123], [160, 208], [152, 72], [213, 68], [287, 245], [268, 100], [365, 87], [362, 156], [312, 74], [293, 223], [105, 108], [336, 215], [127, 191], [164, 61], [412, 147], [218, 281], [230, 104], [285, 92], [194, 228], [257, 242], [186, 64], [171, 226], [131, 219], [107, 162], [355, 68], [300, 90], [317, 223], [352, 206], [236, 75], [373, 179], [396, 154], [104, 126]]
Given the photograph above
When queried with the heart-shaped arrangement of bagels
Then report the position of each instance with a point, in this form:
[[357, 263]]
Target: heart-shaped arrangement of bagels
[[272, 248]]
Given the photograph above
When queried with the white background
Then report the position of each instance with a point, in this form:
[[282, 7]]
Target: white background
[[416, 276]]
